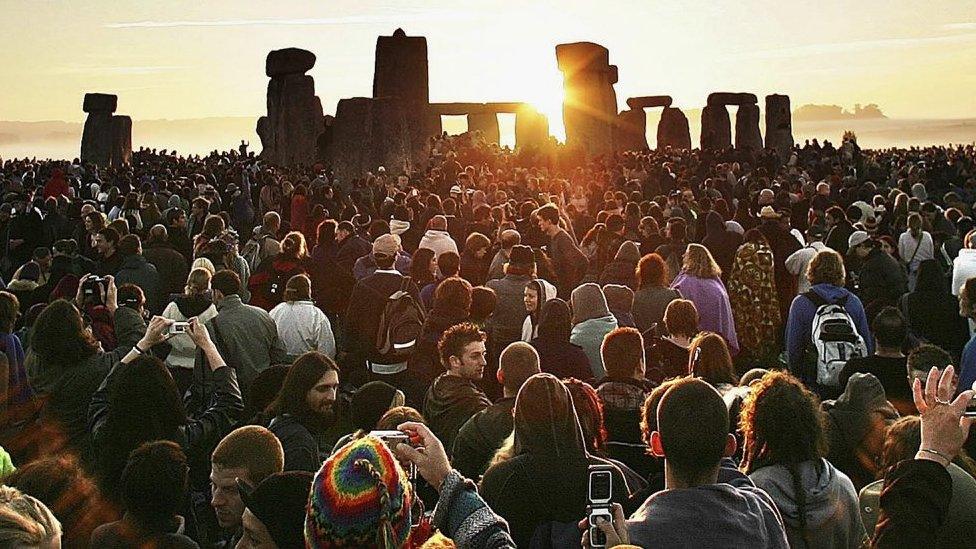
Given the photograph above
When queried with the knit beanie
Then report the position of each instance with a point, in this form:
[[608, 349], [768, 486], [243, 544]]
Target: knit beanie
[[369, 403], [279, 503], [360, 497], [588, 302]]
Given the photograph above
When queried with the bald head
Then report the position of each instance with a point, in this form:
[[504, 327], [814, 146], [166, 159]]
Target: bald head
[[517, 363]]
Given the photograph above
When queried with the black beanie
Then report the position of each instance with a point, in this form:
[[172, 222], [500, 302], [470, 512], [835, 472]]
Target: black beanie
[[279, 503]]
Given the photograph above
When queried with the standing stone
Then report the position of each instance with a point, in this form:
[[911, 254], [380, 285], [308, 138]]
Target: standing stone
[[630, 133], [487, 124], [106, 139], [401, 72], [673, 130], [716, 128], [590, 104], [531, 128], [779, 125], [368, 133], [295, 121], [747, 134]]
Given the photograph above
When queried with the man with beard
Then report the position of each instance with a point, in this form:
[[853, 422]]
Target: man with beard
[[303, 408], [455, 396]]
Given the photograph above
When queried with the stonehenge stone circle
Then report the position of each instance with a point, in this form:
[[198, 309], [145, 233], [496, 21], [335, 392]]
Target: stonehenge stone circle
[[290, 132], [649, 101], [630, 130], [368, 133], [747, 134], [401, 72], [590, 104], [779, 124], [107, 138], [672, 130], [716, 129], [729, 98]]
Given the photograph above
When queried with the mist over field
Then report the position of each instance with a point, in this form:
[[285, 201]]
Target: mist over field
[[198, 136]]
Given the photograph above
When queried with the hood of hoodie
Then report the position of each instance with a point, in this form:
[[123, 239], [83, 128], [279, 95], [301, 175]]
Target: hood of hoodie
[[824, 488], [714, 226], [830, 292], [545, 290], [850, 414], [628, 251], [192, 305], [435, 235], [588, 301], [398, 227]]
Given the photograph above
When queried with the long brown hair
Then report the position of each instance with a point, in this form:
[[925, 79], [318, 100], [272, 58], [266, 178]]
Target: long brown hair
[[710, 360]]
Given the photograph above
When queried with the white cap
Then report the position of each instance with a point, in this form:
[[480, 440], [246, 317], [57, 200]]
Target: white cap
[[857, 238]]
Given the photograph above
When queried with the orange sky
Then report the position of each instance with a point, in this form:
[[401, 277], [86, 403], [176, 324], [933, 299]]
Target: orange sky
[[189, 59]]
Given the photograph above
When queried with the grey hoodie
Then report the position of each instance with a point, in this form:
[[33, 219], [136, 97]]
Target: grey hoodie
[[831, 508], [730, 515]]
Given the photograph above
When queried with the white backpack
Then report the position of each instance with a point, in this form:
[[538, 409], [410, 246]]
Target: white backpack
[[835, 338]]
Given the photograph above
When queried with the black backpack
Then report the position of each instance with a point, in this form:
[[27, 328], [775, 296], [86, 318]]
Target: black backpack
[[400, 324]]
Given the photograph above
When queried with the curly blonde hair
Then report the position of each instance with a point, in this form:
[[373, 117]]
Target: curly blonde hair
[[698, 261]]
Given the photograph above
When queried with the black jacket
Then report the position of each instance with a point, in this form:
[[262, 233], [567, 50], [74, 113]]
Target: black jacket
[[451, 401], [481, 436], [301, 448]]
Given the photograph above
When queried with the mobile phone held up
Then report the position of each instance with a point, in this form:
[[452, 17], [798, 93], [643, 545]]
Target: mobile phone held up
[[598, 499], [970, 408], [179, 328]]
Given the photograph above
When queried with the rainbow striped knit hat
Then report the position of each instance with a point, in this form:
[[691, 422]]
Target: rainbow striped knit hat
[[360, 497]]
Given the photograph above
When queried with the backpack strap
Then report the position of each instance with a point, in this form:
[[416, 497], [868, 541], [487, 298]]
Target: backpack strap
[[816, 298]]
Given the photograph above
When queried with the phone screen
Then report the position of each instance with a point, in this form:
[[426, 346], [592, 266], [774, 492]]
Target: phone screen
[[600, 482], [971, 409]]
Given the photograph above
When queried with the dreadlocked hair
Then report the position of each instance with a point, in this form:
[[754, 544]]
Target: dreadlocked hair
[[385, 537], [782, 424]]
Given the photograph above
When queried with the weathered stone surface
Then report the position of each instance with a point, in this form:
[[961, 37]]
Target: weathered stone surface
[[630, 131], [368, 133], [649, 101], [716, 128], [747, 134], [729, 98], [590, 104], [100, 102], [291, 130], [121, 149], [401, 68], [288, 61], [401, 72], [531, 128], [106, 139], [672, 130], [779, 124], [487, 124]]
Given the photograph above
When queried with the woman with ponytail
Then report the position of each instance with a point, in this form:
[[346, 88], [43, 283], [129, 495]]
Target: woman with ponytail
[[267, 284], [783, 427], [915, 246]]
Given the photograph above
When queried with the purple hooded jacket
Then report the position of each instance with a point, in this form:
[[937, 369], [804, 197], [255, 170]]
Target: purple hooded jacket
[[712, 302]]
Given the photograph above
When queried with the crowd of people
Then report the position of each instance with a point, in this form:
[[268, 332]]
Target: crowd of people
[[763, 350]]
